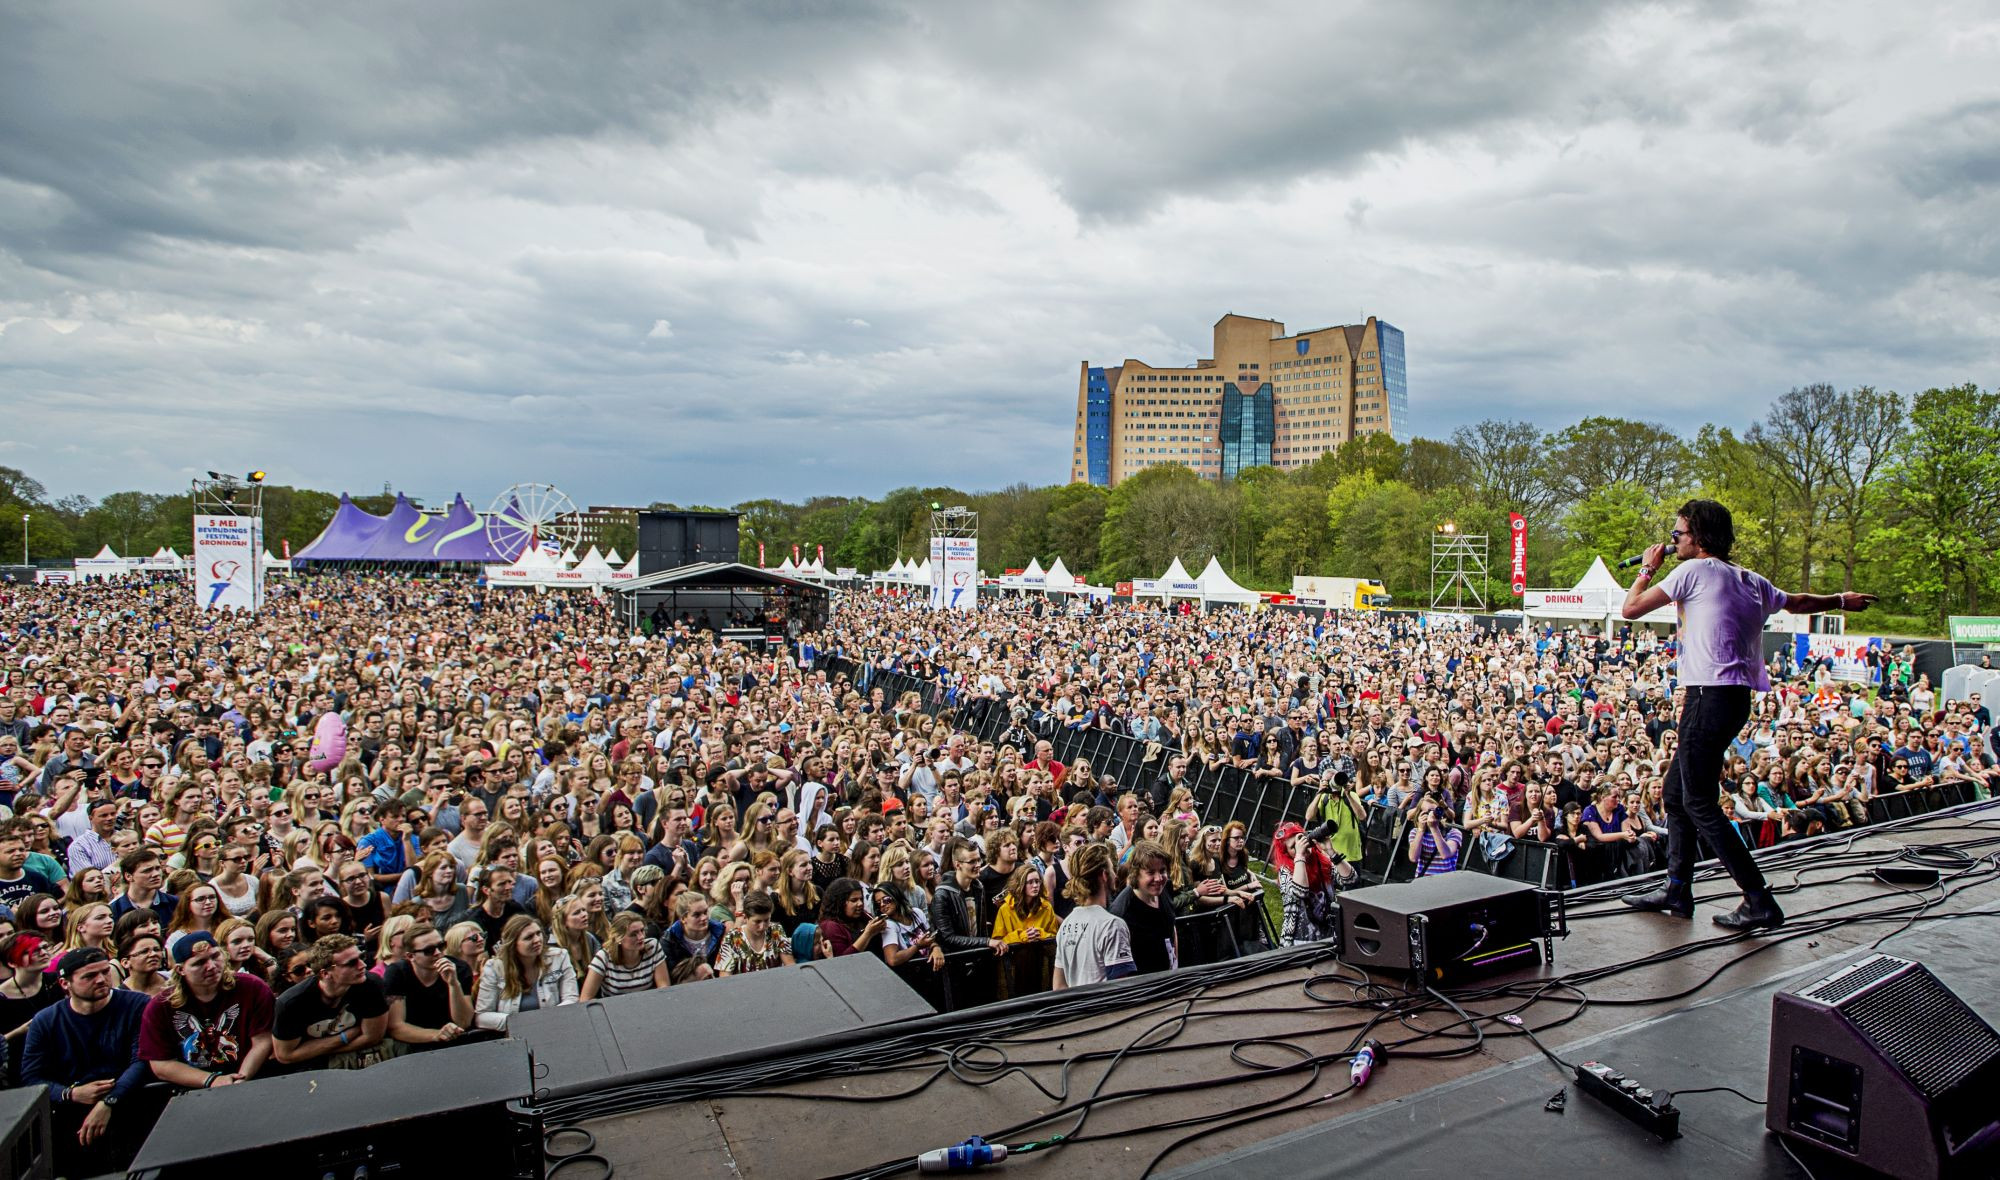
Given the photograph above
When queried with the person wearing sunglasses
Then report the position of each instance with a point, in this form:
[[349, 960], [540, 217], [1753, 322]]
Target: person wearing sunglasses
[[430, 993], [1722, 611]]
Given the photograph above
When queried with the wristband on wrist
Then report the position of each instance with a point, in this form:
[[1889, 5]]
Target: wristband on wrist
[[211, 1080]]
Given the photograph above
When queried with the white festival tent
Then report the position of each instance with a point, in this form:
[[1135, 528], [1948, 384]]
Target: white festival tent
[[1177, 583], [627, 572], [594, 569], [1596, 597], [533, 568], [1217, 586], [612, 559], [274, 564], [1059, 580], [106, 564], [568, 558]]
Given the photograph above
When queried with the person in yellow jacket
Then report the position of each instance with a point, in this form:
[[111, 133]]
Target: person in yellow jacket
[[1027, 922]]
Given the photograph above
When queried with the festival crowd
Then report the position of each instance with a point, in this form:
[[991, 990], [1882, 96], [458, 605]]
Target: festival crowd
[[537, 808]]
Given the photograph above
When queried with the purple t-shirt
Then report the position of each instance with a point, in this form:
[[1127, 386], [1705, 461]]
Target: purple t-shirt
[[1722, 609]]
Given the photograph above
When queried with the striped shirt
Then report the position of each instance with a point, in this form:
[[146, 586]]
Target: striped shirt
[[1435, 857], [620, 980]]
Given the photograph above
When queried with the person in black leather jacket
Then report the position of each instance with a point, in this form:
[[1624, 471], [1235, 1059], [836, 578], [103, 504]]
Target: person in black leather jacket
[[962, 924]]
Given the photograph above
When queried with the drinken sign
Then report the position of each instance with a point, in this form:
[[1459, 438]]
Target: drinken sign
[[1517, 539]]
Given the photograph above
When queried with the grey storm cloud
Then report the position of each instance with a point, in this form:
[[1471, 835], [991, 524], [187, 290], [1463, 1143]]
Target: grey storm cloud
[[708, 252]]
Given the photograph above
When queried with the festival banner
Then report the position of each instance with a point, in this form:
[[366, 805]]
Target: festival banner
[[961, 570], [937, 573], [1517, 535], [760, 553], [1975, 629], [224, 573], [1847, 654]]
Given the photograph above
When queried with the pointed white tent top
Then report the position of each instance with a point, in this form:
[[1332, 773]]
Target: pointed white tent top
[[1598, 577], [1034, 569], [1175, 573], [105, 554], [593, 567], [631, 567], [1218, 586], [923, 572], [787, 567], [612, 557], [1059, 577], [568, 558]]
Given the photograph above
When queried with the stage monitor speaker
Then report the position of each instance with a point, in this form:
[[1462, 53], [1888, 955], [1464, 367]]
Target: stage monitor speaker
[[1883, 1065], [586, 1048], [1449, 927], [25, 1149], [440, 1113], [669, 540]]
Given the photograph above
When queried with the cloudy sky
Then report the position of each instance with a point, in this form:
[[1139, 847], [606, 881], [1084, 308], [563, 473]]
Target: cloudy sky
[[707, 252]]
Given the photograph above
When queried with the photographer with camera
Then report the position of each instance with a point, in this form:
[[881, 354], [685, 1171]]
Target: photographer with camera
[[1434, 844], [1309, 877], [1336, 806]]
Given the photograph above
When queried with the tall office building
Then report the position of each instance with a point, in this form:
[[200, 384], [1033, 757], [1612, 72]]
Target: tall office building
[[1264, 398]]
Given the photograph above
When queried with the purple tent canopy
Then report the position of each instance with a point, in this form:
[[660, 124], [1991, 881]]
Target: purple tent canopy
[[406, 534]]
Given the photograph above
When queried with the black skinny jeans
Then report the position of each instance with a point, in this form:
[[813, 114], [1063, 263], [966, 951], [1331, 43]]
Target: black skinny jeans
[[1711, 717]]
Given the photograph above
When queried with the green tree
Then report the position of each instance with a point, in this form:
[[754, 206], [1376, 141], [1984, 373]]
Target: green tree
[[1431, 466], [1599, 451], [1946, 480], [1159, 514], [1378, 453], [1076, 525], [1796, 441], [1866, 428], [1613, 521]]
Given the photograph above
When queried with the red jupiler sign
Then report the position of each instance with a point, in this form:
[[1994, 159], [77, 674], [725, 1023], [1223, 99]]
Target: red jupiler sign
[[1517, 537]]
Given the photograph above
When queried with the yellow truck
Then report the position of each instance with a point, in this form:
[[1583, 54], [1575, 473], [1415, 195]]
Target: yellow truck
[[1340, 593]]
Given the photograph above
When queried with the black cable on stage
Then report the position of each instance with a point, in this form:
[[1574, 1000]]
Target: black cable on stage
[[1672, 1093], [981, 1058]]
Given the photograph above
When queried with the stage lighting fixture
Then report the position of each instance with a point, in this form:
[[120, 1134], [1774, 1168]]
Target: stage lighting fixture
[[256, 477]]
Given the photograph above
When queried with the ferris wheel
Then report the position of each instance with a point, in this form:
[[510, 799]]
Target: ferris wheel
[[532, 514]]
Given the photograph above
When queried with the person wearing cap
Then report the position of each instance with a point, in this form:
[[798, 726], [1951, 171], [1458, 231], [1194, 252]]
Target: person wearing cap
[[84, 1052], [213, 1026]]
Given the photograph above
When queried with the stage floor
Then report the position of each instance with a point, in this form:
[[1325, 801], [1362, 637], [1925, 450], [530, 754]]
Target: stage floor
[[1699, 1018]]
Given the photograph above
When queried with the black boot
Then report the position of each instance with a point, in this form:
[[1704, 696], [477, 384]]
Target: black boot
[[1669, 898], [1755, 912]]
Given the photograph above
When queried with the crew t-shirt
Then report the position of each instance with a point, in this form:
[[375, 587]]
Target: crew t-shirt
[[1091, 941], [1722, 611], [1152, 930]]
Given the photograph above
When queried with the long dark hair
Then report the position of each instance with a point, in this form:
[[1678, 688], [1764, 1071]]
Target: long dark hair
[[1713, 528], [833, 907]]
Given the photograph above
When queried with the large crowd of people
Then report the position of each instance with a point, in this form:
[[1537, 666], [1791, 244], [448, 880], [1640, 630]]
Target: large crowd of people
[[537, 808]]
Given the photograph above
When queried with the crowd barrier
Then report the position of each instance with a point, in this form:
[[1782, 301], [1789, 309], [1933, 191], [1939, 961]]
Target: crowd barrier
[[1262, 802]]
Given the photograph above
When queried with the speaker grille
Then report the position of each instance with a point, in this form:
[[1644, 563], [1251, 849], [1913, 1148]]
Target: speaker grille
[[1838, 987], [1925, 1029]]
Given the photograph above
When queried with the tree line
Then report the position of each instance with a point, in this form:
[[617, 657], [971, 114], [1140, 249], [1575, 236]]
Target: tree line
[[1831, 490]]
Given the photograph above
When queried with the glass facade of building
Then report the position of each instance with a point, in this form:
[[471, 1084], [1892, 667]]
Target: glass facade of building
[[1395, 379], [1097, 429], [1249, 428]]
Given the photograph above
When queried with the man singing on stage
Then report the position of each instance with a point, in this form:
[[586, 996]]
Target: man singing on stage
[[1722, 611]]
